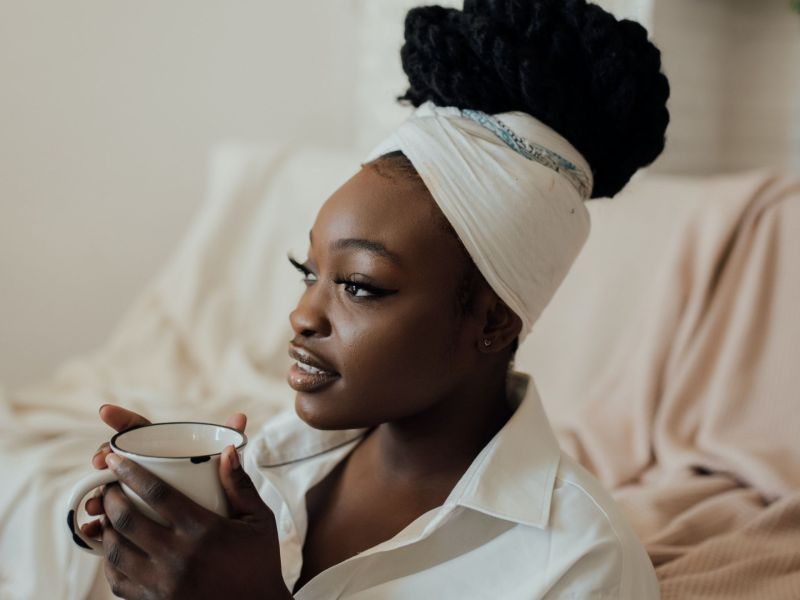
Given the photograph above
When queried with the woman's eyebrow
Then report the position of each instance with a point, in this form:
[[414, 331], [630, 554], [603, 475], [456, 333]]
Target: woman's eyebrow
[[373, 246]]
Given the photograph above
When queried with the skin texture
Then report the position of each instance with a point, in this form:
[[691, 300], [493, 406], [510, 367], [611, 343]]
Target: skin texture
[[413, 369]]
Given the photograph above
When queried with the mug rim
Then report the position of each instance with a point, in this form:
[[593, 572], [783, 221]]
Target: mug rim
[[194, 456]]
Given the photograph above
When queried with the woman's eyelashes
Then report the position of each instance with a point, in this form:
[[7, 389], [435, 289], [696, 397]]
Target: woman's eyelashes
[[308, 275], [353, 284]]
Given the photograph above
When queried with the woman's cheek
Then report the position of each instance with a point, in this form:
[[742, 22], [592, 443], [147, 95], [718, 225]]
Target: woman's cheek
[[397, 357]]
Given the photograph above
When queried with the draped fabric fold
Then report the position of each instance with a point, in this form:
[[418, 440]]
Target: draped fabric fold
[[694, 422], [513, 190]]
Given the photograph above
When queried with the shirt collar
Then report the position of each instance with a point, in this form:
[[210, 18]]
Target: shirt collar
[[514, 475], [512, 478]]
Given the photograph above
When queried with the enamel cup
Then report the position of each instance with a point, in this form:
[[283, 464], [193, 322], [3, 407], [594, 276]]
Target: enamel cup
[[185, 455]]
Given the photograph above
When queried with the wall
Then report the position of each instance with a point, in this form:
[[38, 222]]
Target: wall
[[107, 111], [734, 68]]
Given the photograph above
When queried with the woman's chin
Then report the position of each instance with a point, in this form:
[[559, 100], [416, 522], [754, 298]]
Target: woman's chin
[[327, 411], [316, 411]]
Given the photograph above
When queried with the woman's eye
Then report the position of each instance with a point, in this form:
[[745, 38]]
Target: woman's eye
[[357, 290], [362, 290]]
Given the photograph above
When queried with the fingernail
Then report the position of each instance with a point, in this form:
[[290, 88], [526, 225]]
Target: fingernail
[[234, 458], [99, 410], [112, 460]]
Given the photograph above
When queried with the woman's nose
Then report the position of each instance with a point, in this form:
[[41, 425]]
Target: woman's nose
[[308, 318]]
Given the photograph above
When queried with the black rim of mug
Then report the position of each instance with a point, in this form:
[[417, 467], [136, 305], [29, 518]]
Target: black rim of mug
[[195, 458]]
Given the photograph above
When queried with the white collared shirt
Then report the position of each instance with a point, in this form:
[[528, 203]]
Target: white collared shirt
[[523, 522]]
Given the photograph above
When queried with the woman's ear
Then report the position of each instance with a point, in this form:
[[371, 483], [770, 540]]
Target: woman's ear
[[501, 325]]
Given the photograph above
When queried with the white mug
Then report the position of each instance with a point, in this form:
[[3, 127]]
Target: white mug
[[185, 455]]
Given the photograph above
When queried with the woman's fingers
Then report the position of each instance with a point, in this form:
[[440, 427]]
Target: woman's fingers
[[121, 419], [237, 422], [123, 562], [128, 522], [120, 584], [92, 529], [94, 506], [99, 458]]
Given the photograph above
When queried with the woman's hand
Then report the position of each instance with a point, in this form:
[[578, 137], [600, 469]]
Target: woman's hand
[[199, 554], [122, 419]]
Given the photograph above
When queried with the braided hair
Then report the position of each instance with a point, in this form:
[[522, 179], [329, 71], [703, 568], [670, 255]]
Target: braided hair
[[592, 78]]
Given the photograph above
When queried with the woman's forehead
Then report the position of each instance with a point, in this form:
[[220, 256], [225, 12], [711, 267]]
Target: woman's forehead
[[397, 213]]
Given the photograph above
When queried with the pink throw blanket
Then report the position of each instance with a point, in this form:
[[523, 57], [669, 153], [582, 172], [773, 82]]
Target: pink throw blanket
[[696, 427]]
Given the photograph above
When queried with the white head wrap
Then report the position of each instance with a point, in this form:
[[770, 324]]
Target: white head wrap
[[513, 190]]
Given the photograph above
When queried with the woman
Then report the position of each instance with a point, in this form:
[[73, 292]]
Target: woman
[[416, 461]]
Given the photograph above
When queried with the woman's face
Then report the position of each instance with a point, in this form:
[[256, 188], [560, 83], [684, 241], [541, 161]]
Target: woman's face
[[377, 325]]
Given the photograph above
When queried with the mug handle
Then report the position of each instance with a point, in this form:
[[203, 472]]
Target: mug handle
[[83, 487]]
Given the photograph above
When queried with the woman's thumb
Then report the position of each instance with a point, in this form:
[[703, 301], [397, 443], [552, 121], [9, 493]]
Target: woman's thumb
[[242, 495]]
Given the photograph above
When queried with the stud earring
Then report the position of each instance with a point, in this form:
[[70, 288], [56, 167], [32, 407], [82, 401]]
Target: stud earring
[[487, 342]]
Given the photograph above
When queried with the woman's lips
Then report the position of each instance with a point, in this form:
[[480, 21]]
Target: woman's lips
[[309, 373], [301, 380]]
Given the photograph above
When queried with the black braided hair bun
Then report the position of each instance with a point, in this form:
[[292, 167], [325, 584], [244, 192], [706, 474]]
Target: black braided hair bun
[[595, 80]]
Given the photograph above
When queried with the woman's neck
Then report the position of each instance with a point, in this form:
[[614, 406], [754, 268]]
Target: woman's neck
[[434, 447]]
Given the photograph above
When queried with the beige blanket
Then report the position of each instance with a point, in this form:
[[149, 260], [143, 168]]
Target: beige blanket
[[695, 423]]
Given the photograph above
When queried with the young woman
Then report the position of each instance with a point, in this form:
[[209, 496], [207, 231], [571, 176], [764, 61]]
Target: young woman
[[416, 461]]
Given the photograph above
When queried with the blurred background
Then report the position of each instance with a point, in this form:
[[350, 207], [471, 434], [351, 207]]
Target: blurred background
[[109, 111]]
